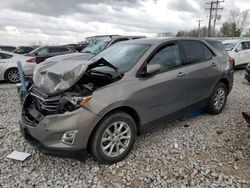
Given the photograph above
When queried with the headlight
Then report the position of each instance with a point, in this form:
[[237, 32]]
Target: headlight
[[78, 101]]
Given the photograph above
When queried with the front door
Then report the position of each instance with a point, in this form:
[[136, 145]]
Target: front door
[[165, 92]]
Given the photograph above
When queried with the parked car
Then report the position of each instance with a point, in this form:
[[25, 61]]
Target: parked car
[[100, 105], [7, 48], [239, 50], [100, 45], [23, 50], [45, 52], [8, 66], [95, 47], [247, 74]]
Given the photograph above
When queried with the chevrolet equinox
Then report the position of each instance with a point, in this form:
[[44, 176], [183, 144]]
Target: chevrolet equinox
[[74, 107]]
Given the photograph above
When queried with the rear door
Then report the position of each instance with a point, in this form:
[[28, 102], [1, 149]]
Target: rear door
[[202, 70]]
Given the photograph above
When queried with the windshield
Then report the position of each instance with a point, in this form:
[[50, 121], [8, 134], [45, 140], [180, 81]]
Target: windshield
[[123, 56], [229, 46], [96, 48]]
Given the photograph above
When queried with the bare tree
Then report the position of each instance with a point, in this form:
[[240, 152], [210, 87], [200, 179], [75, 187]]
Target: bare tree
[[235, 24]]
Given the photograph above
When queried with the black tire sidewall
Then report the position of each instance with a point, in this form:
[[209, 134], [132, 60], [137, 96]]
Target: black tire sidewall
[[211, 108], [103, 125], [7, 73]]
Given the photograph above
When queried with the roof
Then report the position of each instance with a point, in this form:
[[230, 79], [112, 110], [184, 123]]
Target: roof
[[161, 40]]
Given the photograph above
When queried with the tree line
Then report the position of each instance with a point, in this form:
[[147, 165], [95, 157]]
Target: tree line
[[234, 26]]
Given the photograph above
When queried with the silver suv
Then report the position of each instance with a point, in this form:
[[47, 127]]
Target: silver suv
[[100, 106]]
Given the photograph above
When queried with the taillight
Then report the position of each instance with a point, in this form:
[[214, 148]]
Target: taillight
[[231, 61], [31, 60]]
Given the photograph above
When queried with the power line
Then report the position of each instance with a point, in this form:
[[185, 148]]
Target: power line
[[211, 9]]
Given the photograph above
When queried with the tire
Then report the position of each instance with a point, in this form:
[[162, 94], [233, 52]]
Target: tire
[[12, 75], [217, 99], [107, 148]]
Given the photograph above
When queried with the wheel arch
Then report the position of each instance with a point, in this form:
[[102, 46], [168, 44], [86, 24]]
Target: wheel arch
[[129, 110], [226, 82]]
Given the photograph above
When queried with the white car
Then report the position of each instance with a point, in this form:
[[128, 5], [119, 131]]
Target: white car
[[8, 66], [239, 49]]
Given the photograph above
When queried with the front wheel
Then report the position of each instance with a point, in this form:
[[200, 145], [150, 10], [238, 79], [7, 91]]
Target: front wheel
[[114, 138], [218, 99]]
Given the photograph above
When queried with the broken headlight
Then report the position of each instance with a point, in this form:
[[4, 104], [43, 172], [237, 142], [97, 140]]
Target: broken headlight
[[78, 100]]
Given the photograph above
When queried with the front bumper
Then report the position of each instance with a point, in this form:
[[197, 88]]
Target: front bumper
[[47, 134]]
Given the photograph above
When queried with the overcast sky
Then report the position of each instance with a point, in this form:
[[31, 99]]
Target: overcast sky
[[24, 22]]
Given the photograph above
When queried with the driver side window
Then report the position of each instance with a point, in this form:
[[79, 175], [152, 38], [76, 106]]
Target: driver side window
[[168, 57]]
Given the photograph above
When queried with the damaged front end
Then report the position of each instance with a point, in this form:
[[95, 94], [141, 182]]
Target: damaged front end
[[58, 88], [53, 111]]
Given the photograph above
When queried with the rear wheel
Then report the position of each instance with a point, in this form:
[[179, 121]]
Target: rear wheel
[[218, 99], [12, 75], [114, 138]]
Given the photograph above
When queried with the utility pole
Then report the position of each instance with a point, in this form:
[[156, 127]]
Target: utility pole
[[211, 9], [199, 26], [210, 17], [216, 14]]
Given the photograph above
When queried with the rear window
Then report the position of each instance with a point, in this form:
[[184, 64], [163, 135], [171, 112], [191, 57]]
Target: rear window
[[218, 46]]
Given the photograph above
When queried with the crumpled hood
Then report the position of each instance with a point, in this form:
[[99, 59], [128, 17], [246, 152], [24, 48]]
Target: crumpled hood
[[54, 76]]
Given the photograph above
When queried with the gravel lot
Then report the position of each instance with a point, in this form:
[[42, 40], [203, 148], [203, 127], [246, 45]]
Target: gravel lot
[[202, 151]]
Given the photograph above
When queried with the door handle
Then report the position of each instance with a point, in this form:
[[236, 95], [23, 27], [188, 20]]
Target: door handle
[[213, 64], [181, 74]]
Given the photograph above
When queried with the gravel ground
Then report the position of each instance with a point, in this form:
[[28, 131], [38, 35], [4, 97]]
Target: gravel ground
[[202, 151]]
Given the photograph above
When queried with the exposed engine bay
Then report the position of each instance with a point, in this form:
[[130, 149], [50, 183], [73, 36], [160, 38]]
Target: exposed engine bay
[[38, 103]]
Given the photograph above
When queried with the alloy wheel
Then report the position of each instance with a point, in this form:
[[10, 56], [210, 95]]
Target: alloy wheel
[[13, 76], [116, 139], [219, 98]]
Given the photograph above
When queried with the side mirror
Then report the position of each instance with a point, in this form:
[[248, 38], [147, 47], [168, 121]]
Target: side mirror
[[36, 54], [153, 68]]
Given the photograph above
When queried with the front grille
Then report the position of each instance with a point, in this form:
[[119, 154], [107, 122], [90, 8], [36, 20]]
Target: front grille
[[50, 105]]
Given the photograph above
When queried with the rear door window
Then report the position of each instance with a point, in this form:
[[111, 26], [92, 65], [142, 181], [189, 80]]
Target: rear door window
[[196, 52]]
